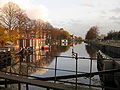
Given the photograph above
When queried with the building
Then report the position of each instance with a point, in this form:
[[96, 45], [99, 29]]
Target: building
[[34, 43]]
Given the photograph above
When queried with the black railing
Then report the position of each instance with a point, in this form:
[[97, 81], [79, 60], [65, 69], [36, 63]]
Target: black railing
[[76, 75]]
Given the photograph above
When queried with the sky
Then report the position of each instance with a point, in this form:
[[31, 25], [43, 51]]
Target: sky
[[75, 16]]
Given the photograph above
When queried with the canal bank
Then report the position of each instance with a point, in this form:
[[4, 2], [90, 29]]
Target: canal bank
[[105, 63], [113, 51]]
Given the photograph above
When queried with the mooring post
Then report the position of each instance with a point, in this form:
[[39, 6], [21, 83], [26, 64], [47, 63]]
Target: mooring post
[[55, 68]]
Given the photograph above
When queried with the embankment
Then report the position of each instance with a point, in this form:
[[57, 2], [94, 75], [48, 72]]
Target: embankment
[[113, 51]]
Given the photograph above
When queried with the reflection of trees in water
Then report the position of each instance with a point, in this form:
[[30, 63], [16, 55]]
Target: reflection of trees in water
[[59, 49], [77, 42], [91, 51], [29, 64]]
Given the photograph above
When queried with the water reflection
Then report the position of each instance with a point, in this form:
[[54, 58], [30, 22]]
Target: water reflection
[[31, 64], [34, 63], [92, 51]]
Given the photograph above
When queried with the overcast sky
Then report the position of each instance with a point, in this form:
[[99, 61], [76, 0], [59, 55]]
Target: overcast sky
[[76, 16]]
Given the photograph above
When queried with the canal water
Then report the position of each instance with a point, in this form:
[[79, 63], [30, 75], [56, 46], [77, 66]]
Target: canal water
[[42, 63]]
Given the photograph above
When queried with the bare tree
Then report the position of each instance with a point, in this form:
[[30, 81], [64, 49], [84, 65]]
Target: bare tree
[[8, 15]]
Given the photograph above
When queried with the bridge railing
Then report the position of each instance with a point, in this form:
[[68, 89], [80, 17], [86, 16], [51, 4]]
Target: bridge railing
[[77, 74]]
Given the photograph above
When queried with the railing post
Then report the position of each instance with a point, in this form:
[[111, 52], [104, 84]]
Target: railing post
[[48, 88], [6, 55], [55, 68], [76, 57], [90, 72], [19, 86], [27, 87], [27, 58], [5, 83]]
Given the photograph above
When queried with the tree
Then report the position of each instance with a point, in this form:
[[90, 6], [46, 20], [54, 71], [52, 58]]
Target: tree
[[8, 17], [92, 33], [3, 36], [13, 36], [64, 34], [113, 35]]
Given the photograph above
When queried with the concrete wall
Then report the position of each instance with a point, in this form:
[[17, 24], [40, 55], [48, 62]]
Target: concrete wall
[[113, 51], [113, 78]]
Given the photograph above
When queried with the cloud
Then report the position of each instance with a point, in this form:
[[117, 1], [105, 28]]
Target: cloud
[[2, 2], [115, 18], [116, 10], [88, 4], [39, 12]]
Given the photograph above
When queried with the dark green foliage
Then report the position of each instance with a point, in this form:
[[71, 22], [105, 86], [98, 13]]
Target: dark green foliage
[[113, 35]]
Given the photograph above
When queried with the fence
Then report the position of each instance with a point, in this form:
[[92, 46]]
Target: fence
[[57, 79]]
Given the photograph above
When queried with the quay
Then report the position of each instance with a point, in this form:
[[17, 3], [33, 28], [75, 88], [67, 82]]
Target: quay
[[113, 51], [105, 62]]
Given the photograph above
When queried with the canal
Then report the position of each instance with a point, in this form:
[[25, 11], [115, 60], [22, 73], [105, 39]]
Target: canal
[[42, 63]]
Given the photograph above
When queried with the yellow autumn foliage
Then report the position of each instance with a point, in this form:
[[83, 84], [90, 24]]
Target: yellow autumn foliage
[[3, 36], [8, 35]]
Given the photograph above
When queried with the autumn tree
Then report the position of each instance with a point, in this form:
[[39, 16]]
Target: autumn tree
[[18, 24], [92, 33], [64, 34], [13, 36], [3, 36]]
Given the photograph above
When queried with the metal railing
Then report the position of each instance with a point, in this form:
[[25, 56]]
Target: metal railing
[[77, 74]]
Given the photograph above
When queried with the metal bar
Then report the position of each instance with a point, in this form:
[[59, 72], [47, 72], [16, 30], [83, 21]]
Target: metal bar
[[5, 83], [83, 75], [55, 68], [48, 88], [27, 87], [5, 72], [8, 82], [72, 76], [83, 57], [76, 57], [90, 71], [39, 83], [73, 57], [19, 86], [98, 86]]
